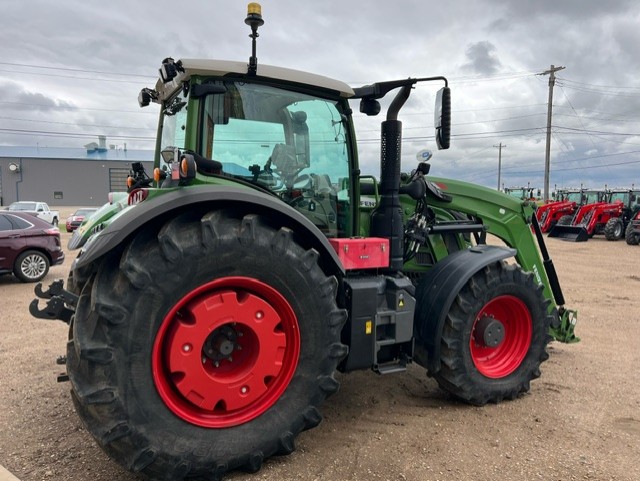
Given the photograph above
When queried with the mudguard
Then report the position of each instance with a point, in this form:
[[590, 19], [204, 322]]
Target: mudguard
[[164, 206], [438, 289]]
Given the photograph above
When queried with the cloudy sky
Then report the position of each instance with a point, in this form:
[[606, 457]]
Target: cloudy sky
[[71, 70]]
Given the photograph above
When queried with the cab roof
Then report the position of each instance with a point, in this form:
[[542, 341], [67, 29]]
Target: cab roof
[[223, 67]]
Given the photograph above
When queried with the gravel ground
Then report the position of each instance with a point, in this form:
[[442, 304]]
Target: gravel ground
[[580, 421]]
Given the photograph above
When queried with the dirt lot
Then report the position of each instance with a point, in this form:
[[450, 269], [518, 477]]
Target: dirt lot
[[580, 421]]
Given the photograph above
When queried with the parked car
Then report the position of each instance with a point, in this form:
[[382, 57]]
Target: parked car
[[75, 219], [28, 246]]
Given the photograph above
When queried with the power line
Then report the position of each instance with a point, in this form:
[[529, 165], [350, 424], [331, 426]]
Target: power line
[[601, 132], [68, 69], [92, 79], [590, 167], [67, 134], [79, 124], [600, 92], [563, 79], [72, 107]]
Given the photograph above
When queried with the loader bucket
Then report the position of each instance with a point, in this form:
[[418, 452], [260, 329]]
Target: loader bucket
[[569, 233]]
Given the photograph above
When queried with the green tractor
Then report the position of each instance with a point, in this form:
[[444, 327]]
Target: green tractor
[[210, 307]]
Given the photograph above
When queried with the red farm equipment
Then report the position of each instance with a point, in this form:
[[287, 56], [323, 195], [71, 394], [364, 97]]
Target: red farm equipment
[[609, 216], [565, 205]]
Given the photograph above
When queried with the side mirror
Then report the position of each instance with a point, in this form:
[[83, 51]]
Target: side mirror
[[443, 118], [369, 107]]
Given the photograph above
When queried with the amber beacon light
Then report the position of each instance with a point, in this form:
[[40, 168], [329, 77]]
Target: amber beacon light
[[254, 13]]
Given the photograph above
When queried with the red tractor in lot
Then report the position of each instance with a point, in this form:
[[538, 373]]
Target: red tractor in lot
[[565, 205], [609, 216]]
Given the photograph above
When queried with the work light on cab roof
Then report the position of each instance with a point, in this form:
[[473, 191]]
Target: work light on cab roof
[[170, 68]]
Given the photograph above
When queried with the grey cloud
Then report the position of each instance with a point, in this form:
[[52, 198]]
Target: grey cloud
[[570, 9], [16, 98], [482, 59]]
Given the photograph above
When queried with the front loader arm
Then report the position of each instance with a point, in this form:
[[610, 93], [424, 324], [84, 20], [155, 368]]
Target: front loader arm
[[511, 220], [505, 217]]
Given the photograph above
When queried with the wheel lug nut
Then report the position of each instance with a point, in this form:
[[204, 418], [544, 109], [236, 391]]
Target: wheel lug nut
[[259, 315], [186, 348], [244, 389]]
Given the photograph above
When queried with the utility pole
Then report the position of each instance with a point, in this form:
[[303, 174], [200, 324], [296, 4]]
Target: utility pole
[[499, 147], [547, 158]]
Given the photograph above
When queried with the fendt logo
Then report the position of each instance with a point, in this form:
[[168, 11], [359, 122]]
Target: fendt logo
[[137, 196]]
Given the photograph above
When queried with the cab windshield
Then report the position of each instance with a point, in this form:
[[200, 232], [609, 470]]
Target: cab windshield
[[593, 197], [621, 197], [289, 143], [573, 196]]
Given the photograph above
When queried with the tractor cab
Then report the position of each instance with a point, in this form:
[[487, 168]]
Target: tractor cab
[[283, 132], [293, 144]]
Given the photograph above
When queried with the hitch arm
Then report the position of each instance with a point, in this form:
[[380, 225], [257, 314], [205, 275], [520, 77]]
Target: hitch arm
[[56, 288], [60, 302]]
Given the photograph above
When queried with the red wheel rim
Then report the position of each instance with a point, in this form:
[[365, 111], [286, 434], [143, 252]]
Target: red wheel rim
[[226, 352], [502, 360]]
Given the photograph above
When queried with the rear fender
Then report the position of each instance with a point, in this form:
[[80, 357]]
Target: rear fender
[[243, 200], [438, 289]]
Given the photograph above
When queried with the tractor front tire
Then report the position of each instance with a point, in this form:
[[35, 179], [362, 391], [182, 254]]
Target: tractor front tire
[[565, 220], [614, 229], [205, 345], [631, 235], [494, 337]]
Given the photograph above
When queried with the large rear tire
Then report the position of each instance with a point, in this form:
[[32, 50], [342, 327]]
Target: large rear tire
[[494, 337], [205, 346]]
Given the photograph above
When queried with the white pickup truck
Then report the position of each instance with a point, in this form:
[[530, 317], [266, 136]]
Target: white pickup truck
[[39, 209]]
